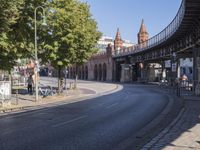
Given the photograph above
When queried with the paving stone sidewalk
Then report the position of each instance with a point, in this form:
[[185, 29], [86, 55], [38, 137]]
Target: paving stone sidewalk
[[183, 133]]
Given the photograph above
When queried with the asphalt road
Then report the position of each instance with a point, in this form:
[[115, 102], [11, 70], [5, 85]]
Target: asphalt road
[[101, 123]]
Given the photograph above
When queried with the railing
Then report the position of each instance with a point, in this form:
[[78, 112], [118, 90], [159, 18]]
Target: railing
[[160, 37]]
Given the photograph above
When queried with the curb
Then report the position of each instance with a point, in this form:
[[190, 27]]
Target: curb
[[164, 132], [172, 110], [155, 126], [19, 109]]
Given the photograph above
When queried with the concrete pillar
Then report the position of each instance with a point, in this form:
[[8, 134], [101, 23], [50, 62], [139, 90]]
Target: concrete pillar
[[143, 72], [173, 69], [125, 73], [178, 69], [146, 74], [196, 70], [131, 72], [163, 71], [141, 69], [113, 70]]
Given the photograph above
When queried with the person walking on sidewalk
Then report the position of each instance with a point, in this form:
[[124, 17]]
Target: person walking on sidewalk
[[30, 84]]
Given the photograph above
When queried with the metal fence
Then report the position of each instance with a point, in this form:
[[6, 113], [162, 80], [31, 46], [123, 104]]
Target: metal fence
[[164, 35]]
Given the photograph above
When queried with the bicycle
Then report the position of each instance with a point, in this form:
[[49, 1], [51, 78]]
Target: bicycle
[[46, 91]]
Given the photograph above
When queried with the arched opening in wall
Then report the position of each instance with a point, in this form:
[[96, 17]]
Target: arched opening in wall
[[95, 72], [104, 72], [70, 72], [86, 72], [74, 73], [134, 72], [79, 72], [83, 73], [118, 71], [67, 73], [100, 72]]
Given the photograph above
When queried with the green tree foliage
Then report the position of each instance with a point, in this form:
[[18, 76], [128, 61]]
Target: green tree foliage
[[24, 28], [17, 30], [72, 35], [9, 16]]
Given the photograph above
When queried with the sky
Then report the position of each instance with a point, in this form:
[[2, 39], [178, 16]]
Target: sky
[[128, 14]]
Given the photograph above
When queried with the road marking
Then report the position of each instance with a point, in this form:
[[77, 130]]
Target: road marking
[[126, 97], [108, 107], [69, 121]]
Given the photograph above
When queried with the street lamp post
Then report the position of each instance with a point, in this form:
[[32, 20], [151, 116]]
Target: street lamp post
[[65, 72], [36, 55]]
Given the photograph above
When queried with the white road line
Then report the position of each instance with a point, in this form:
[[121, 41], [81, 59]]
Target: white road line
[[108, 107], [69, 121], [126, 97]]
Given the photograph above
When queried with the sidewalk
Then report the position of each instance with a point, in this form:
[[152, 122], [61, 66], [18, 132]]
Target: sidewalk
[[85, 90], [184, 132]]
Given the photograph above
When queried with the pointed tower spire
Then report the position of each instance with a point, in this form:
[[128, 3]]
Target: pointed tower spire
[[118, 43], [142, 27], [143, 34], [118, 36]]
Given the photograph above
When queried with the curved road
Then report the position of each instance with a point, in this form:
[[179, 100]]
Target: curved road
[[101, 123]]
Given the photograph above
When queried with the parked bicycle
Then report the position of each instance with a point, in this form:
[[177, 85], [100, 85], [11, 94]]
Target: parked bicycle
[[46, 91]]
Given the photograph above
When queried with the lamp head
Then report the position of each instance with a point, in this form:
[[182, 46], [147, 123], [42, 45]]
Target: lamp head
[[44, 23]]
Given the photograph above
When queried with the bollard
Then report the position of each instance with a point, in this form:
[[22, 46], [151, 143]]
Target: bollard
[[197, 89], [70, 85], [17, 99]]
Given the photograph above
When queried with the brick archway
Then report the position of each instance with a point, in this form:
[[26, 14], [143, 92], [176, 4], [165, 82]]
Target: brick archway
[[100, 72], [74, 72], [70, 72], [104, 72], [82, 72], [95, 72], [79, 72], [86, 72]]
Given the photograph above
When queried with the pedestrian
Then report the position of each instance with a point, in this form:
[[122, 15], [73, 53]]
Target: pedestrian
[[184, 80], [30, 84]]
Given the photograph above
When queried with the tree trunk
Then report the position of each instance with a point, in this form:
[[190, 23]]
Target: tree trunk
[[76, 78], [10, 79], [59, 80]]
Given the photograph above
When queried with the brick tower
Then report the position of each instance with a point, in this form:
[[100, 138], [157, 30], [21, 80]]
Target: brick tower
[[143, 34], [118, 43]]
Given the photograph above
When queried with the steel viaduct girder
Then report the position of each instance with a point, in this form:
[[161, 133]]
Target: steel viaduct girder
[[182, 34]]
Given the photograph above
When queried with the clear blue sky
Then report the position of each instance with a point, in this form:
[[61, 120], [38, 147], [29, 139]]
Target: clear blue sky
[[127, 15]]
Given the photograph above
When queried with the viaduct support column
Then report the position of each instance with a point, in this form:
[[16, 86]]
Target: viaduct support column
[[114, 70], [178, 68], [196, 70], [125, 73], [163, 71], [143, 71]]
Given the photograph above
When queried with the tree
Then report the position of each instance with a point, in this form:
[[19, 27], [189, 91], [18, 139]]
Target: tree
[[24, 28], [72, 34], [70, 37], [9, 15], [17, 30]]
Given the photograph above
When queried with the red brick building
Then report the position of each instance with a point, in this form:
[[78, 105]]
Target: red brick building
[[100, 66]]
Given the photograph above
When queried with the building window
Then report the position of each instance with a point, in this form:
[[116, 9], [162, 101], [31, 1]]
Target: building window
[[190, 70], [184, 70]]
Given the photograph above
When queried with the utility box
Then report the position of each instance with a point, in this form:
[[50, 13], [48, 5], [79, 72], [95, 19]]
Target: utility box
[[5, 92]]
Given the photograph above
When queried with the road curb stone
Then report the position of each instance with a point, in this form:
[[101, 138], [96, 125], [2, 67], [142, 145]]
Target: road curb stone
[[149, 145], [155, 126]]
